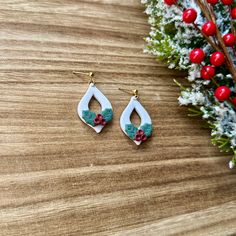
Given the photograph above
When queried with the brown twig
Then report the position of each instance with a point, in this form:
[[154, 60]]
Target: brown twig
[[217, 45], [229, 60], [210, 16], [209, 40], [203, 9]]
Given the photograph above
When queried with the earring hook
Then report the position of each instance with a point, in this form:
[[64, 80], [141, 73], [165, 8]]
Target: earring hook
[[133, 92], [90, 74]]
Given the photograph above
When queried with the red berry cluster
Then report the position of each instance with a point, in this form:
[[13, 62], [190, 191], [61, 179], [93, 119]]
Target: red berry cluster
[[140, 136], [99, 120], [197, 55]]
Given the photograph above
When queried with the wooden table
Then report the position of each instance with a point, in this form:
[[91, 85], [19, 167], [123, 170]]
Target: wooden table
[[57, 177]]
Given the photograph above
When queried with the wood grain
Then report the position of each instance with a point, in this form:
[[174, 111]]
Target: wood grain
[[57, 177]]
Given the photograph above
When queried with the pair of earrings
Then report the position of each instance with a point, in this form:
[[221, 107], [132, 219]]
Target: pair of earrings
[[98, 121]]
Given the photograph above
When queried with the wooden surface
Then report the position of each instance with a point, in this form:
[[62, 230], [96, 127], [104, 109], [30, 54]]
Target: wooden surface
[[57, 177]]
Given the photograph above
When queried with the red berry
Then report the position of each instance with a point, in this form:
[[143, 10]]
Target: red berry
[[96, 121], [207, 72], [99, 117], [170, 2], [138, 137], [233, 13], [144, 137], [103, 122], [227, 2], [209, 28], [189, 15], [222, 93], [234, 101], [217, 58], [196, 55], [212, 1], [140, 132], [229, 40]]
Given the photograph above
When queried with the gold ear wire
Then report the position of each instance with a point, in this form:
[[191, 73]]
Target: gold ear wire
[[90, 74], [133, 92]]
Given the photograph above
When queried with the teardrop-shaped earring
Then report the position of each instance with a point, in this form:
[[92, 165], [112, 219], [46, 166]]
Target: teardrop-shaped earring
[[95, 121], [144, 131]]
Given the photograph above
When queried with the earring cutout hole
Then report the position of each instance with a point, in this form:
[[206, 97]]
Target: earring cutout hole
[[94, 105], [135, 118]]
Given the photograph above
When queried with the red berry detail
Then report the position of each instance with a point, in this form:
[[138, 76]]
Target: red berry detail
[[209, 28], [233, 13], [234, 101], [138, 137], [227, 2], [170, 2], [196, 55], [213, 2], [103, 122], [222, 93], [207, 72], [140, 132], [96, 121], [99, 120], [99, 117], [229, 40], [217, 59], [189, 15], [144, 137]]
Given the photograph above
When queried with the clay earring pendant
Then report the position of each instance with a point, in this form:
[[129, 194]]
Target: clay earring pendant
[[137, 134], [95, 121]]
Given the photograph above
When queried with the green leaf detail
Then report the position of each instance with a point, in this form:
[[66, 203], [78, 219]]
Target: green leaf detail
[[89, 116], [107, 114], [147, 128], [131, 130]]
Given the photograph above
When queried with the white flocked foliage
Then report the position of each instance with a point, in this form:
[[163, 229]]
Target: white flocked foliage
[[220, 115]]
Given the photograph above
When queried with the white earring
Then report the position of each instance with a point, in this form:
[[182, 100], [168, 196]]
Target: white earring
[[95, 121], [144, 131]]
